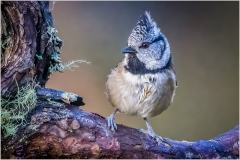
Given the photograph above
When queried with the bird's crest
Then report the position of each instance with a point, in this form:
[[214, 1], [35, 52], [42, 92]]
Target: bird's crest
[[144, 28]]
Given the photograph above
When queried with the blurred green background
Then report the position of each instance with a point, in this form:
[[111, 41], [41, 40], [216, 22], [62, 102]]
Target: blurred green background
[[204, 40]]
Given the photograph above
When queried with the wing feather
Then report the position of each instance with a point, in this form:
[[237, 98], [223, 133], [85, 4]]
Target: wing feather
[[146, 92]]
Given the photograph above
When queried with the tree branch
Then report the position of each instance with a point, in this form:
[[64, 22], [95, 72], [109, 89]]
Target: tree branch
[[86, 135]]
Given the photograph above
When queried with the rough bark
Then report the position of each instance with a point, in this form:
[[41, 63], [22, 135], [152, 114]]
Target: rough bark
[[86, 135], [56, 129], [29, 44]]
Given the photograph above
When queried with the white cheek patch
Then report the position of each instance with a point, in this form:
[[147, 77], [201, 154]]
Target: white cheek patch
[[149, 60], [162, 45]]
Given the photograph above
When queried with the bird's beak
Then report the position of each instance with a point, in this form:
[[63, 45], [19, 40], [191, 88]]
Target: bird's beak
[[128, 49]]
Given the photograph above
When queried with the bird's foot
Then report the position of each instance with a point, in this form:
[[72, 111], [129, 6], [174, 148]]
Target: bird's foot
[[111, 123], [158, 138]]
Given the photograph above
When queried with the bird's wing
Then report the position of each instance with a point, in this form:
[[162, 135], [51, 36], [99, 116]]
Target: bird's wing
[[145, 92]]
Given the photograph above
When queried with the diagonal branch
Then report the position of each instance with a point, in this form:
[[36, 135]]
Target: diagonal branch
[[86, 135]]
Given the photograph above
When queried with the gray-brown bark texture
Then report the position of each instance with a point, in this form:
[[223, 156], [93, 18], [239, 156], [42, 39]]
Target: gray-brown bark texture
[[56, 129], [29, 44]]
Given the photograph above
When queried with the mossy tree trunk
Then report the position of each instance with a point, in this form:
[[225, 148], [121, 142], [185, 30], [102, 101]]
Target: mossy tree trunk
[[55, 129], [28, 44]]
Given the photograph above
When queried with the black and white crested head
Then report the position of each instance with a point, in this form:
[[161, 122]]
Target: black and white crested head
[[145, 29], [148, 49]]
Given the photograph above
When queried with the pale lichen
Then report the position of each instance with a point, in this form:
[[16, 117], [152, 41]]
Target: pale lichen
[[14, 109], [5, 42], [73, 64], [55, 60], [39, 57], [69, 96], [188, 155], [52, 32], [66, 66]]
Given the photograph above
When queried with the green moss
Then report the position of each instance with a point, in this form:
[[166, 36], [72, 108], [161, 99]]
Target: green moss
[[55, 61], [15, 109], [55, 57], [55, 67], [39, 57], [5, 42]]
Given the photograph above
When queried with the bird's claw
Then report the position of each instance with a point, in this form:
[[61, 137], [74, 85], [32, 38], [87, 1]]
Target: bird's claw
[[111, 123], [158, 138]]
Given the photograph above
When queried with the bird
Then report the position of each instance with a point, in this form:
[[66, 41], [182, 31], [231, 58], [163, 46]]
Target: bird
[[143, 84]]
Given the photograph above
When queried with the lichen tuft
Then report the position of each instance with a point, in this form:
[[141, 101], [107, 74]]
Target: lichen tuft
[[14, 109]]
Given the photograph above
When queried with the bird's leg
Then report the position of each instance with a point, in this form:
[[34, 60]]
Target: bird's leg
[[110, 120], [151, 132]]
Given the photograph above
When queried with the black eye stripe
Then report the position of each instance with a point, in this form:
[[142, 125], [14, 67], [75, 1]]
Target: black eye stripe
[[158, 38], [136, 67]]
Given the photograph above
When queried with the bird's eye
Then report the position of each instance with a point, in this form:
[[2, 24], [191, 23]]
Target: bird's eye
[[145, 45]]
